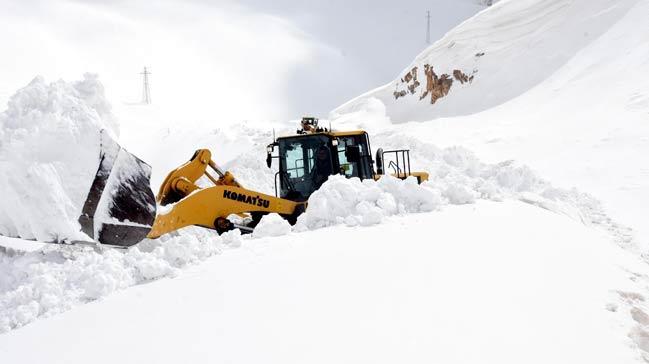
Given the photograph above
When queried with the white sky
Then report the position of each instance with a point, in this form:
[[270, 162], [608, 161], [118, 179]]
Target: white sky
[[249, 59]]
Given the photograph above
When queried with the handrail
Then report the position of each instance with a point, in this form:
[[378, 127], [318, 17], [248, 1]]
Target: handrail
[[405, 159]]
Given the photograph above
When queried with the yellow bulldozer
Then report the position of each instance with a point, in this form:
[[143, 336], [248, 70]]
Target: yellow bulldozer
[[121, 210]]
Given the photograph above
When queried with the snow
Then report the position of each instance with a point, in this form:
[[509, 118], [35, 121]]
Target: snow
[[524, 43], [271, 225], [355, 202], [422, 287], [496, 258], [54, 279], [49, 153], [560, 88], [74, 276]]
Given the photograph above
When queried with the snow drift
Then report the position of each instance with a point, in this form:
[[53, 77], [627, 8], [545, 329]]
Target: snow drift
[[355, 202], [49, 148], [56, 278]]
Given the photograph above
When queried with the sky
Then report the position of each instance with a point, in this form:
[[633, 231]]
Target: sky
[[372, 41], [221, 60]]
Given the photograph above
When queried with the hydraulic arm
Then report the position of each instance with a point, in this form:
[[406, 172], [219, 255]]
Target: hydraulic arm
[[189, 204]]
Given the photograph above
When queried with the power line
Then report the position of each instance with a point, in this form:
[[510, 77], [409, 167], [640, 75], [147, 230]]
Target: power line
[[146, 91]]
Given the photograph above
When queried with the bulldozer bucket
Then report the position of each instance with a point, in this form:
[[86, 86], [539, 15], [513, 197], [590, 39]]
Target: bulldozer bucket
[[120, 207]]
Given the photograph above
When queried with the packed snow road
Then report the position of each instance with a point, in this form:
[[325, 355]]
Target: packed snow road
[[491, 282]]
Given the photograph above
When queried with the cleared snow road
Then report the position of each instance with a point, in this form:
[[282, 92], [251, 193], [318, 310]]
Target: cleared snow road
[[489, 283]]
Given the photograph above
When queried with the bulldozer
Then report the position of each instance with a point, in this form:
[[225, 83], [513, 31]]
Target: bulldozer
[[121, 211]]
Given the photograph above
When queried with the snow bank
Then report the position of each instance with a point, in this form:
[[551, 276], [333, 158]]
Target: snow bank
[[457, 177], [49, 148], [56, 278], [461, 178], [355, 202]]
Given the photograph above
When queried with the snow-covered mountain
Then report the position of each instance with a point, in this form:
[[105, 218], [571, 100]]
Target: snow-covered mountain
[[492, 260], [559, 85], [515, 46]]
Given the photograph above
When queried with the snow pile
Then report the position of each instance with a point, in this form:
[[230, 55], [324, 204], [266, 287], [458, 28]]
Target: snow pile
[[355, 202], [49, 149], [457, 177], [461, 177], [56, 278], [271, 225]]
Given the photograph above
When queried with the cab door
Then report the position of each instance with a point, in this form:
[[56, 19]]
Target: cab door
[[361, 168]]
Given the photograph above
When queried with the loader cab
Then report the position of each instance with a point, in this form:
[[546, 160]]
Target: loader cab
[[306, 160]]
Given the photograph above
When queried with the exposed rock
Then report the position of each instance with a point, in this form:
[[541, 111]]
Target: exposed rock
[[460, 76]]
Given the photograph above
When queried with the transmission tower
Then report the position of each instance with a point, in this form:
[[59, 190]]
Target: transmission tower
[[146, 91], [428, 27]]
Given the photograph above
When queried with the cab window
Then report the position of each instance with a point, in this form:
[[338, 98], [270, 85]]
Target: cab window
[[300, 170], [349, 169], [295, 160], [361, 169]]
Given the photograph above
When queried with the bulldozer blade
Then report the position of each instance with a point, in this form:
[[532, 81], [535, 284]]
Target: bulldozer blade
[[120, 207]]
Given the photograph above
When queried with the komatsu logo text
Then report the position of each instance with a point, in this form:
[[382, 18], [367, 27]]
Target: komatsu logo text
[[240, 197]]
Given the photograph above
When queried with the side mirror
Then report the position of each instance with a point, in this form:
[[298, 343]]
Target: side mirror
[[269, 155], [379, 161], [353, 153]]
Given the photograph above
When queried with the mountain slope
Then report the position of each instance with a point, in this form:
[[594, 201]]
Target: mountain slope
[[573, 104], [509, 48]]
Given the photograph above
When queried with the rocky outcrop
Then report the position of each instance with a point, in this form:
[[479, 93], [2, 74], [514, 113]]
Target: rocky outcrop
[[436, 86]]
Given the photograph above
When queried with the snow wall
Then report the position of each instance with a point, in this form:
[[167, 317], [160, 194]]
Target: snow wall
[[49, 154]]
